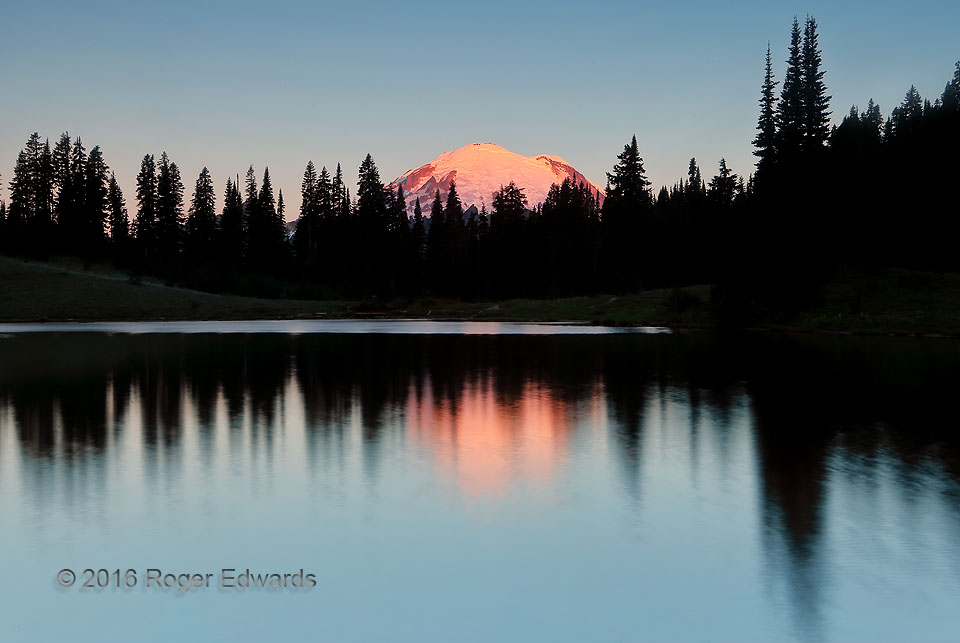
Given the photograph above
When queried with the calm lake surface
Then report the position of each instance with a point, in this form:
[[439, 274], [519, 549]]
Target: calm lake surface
[[478, 483]]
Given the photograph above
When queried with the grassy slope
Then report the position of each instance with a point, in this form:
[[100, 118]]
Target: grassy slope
[[45, 292], [67, 290], [889, 302]]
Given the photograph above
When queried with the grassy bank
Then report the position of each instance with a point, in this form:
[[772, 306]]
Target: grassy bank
[[886, 302], [68, 290]]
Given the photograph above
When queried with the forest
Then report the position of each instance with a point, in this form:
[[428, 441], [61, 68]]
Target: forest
[[867, 193]]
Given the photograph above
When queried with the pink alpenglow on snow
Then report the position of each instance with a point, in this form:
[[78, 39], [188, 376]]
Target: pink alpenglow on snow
[[479, 170]]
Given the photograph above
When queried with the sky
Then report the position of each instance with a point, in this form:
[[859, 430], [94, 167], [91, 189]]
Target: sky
[[230, 84]]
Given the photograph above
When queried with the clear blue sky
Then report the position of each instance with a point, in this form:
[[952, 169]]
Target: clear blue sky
[[276, 83]]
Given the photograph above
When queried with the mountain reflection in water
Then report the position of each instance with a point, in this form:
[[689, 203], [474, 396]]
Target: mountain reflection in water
[[804, 487]]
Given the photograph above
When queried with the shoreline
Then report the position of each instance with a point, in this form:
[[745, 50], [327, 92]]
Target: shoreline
[[50, 293]]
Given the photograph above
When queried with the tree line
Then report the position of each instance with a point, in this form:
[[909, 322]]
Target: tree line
[[867, 193]]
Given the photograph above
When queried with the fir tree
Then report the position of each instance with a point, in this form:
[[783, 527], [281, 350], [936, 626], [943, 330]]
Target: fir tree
[[815, 101], [453, 215], [399, 223], [62, 179], [119, 224], [627, 238], [232, 226], [21, 198], [790, 109], [202, 219], [909, 111], [281, 212], [695, 184], [951, 93], [765, 142], [436, 245], [370, 197], [418, 232], [307, 235], [146, 222], [73, 229], [96, 203], [31, 199], [628, 180], [170, 217], [371, 219], [872, 120], [723, 186]]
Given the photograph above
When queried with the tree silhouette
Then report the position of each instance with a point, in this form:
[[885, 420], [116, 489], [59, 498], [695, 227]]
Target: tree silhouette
[[766, 139], [202, 220], [170, 219], [96, 204], [815, 123], [626, 224], [118, 220], [146, 222]]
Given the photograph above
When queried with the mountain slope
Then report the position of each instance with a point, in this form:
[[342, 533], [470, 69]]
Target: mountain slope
[[479, 170]]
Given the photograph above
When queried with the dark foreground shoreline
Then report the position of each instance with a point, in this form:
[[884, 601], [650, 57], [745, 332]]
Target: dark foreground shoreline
[[889, 303]]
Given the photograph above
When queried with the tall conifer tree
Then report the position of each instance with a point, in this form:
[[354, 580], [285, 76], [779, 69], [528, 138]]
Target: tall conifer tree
[[790, 109], [816, 102], [146, 222], [765, 142], [119, 224]]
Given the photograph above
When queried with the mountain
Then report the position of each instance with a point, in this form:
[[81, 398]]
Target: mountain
[[479, 170]]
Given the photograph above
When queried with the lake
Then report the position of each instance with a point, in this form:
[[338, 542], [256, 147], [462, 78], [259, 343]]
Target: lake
[[475, 482]]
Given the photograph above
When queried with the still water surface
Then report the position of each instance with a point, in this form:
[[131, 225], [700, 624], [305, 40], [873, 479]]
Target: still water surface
[[499, 486]]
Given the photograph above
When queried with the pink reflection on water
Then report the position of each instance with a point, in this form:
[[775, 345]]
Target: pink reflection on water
[[489, 442]]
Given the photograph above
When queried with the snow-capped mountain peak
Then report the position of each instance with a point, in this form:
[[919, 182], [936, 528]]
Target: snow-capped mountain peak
[[480, 169]]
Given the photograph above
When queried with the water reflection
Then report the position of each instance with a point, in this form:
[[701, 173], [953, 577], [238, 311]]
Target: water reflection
[[841, 452]]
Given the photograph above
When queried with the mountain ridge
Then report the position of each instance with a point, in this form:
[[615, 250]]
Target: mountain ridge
[[480, 169]]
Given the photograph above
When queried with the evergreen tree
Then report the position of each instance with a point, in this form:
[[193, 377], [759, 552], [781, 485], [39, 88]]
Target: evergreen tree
[[400, 271], [119, 225], [628, 180], [951, 93], [96, 203], [62, 182], [232, 227], [146, 222], [723, 186], [21, 200], [371, 218], [872, 120], [695, 184], [456, 246], [815, 101], [506, 240], [281, 214], [170, 217], [790, 109], [399, 223], [765, 142], [419, 232], [453, 215], [908, 114], [31, 199], [73, 229], [436, 244], [628, 242], [202, 219], [266, 235], [307, 236], [371, 207]]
